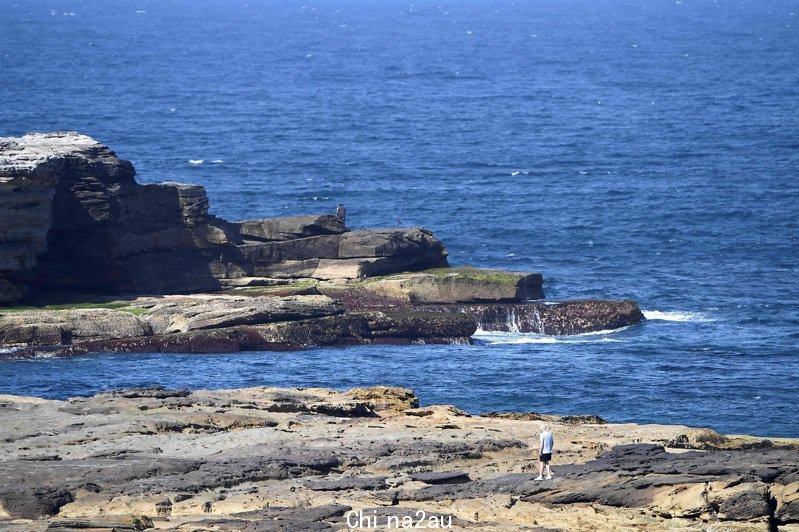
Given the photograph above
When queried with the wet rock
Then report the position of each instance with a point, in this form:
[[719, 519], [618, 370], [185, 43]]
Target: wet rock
[[551, 318], [226, 340], [405, 324]]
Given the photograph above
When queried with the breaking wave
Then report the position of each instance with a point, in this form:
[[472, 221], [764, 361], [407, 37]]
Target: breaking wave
[[660, 315]]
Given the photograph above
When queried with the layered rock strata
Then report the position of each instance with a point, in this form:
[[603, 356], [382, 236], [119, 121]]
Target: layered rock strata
[[312, 459], [207, 324], [74, 218]]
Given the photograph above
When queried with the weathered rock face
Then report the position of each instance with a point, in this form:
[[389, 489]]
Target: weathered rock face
[[551, 318], [73, 218], [27, 186]]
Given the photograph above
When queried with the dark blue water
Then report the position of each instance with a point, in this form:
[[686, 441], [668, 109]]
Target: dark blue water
[[625, 149]]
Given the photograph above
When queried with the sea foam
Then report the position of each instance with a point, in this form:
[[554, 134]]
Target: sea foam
[[661, 315], [509, 338]]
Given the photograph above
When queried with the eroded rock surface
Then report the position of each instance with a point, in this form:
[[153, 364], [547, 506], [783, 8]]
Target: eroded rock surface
[[310, 459]]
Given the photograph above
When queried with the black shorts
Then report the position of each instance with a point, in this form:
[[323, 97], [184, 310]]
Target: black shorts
[[545, 457]]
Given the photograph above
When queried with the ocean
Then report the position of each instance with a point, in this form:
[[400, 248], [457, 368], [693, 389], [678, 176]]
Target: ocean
[[625, 149]]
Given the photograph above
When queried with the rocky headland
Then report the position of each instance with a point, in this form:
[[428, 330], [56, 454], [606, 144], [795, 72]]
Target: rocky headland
[[92, 260], [262, 459]]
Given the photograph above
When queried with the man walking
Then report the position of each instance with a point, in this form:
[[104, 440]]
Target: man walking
[[546, 442]]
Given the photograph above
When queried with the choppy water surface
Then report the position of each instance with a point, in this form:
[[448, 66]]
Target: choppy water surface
[[625, 149]]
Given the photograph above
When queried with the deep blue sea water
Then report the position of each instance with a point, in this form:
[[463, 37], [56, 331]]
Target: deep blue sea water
[[626, 149]]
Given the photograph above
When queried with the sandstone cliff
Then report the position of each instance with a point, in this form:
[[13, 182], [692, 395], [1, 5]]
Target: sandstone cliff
[[73, 218]]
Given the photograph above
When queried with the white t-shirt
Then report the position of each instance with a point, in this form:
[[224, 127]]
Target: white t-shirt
[[547, 442]]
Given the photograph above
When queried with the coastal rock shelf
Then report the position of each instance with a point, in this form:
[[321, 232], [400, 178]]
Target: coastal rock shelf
[[76, 227], [314, 459]]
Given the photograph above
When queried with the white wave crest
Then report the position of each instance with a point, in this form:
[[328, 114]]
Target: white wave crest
[[196, 161], [527, 340], [604, 332], [662, 315], [506, 338]]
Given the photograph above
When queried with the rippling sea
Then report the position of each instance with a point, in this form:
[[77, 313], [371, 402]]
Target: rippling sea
[[626, 149]]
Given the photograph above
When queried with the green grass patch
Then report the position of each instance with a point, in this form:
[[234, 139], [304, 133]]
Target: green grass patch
[[299, 288], [476, 274], [460, 272], [123, 306]]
